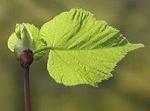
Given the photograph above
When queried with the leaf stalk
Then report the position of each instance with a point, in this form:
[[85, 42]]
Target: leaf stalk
[[41, 49]]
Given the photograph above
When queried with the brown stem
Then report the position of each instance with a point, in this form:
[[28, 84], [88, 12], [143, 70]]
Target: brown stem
[[26, 59], [27, 105]]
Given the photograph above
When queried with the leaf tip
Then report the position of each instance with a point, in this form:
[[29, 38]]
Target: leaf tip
[[137, 46]]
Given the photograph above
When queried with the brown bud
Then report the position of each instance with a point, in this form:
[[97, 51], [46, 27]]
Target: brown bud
[[26, 58]]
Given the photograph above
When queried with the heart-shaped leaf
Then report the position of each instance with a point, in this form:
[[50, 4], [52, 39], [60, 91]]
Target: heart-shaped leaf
[[83, 50]]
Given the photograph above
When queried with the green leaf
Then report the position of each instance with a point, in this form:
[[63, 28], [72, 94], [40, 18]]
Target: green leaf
[[26, 36], [12, 40], [83, 50]]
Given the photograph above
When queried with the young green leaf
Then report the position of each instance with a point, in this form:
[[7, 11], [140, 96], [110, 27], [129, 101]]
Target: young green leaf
[[12, 42], [83, 50], [26, 36]]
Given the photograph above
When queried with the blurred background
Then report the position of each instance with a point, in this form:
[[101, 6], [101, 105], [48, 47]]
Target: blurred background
[[128, 90]]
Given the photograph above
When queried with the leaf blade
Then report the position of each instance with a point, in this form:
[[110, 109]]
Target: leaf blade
[[79, 42]]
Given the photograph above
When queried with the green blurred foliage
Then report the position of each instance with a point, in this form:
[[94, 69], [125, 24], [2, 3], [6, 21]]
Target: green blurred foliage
[[128, 90]]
